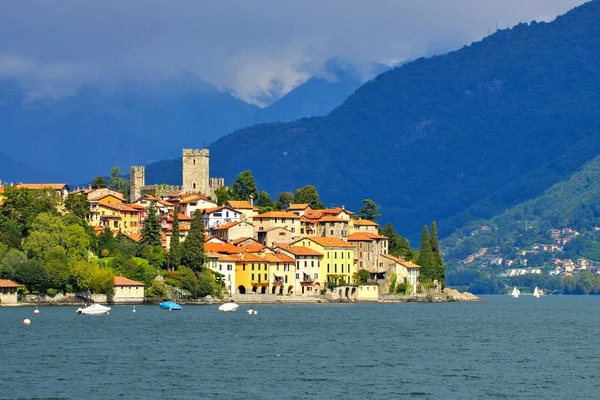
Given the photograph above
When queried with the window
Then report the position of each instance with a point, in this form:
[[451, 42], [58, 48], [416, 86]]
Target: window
[[297, 276], [361, 264], [342, 254], [229, 267], [283, 220], [277, 267], [252, 276], [316, 276], [218, 214], [328, 268], [265, 277], [293, 230], [332, 232], [227, 214], [297, 264], [305, 263], [194, 161], [360, 245], [194, 185], [331, 224], [220, 267], [342, 268], [335, 268], [348, 255], [335, 255], [286, 279], [252, 267], [243, 267], [312, 264], [301, 230], [328, 254]]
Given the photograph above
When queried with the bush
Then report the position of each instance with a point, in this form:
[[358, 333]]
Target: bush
[[51, 292], [157, 290]]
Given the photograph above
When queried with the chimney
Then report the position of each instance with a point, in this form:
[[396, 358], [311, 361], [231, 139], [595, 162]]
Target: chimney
[[251, 200]]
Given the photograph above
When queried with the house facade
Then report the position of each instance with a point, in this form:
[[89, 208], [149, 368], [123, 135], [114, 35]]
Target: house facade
[[128, 291], [8, 292]]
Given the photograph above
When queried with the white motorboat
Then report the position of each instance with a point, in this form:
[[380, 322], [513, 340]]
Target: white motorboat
[[228, 307], [252, 311], [94, 309]]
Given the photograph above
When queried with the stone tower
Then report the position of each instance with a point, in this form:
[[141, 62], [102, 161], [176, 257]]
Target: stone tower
[[137, 179], [195, 171]]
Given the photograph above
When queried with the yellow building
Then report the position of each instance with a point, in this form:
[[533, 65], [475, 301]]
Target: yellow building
[[282, 272], [338, 258], [251, 273]]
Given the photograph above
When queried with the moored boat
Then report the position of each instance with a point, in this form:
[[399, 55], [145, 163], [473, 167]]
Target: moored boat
[[170, 305], [228, 307], [515, 293], [94, 309]]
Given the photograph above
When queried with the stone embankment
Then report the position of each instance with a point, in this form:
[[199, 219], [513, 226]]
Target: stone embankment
[[446, 296]]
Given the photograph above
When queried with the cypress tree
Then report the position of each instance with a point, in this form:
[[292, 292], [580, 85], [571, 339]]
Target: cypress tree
[[175, 249], [192, 250], [437, 255], [151, 230], [426, 258]]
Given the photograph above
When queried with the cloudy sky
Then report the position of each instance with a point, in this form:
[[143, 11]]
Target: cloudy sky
[[246, 46]]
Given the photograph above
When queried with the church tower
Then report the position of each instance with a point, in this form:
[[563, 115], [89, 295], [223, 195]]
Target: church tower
[[137, 178]]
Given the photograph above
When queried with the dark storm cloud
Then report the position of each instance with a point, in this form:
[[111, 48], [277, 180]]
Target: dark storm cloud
[[247, 46]]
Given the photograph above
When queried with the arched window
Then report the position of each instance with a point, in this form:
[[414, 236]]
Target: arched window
[[194, 185]]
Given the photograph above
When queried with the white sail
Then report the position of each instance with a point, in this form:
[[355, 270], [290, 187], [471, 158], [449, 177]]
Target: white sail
[[536, 293], [515, 292]]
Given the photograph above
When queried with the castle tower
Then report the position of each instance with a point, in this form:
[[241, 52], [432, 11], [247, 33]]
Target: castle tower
[[195, 171], [137, 179]]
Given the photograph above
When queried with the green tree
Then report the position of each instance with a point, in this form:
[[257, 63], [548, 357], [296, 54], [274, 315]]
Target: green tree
[[243, 187], [222, 195], [157, 290], [58, 266], [32, 274], [79, 205], [155, 255], [125, 246], [369, 211], [426, 259], [175, 248], [140, 270], [151, 230], [10, 233], [118, 182], [10, 262], [22, 206], [308, 195], [192, 250], [264, 202], [362, 276], [77, 242], [437, 255], [284, 200], [398, 245], [106, 241], [99, 183], [393, 279]]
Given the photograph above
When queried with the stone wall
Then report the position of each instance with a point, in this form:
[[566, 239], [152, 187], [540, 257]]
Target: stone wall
[[195, 167], [161, 190]]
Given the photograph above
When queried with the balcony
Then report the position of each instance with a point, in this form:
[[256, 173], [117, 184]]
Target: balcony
[[278, 281]]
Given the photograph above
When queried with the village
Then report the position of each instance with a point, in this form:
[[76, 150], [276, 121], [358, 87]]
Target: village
[[296, 253]]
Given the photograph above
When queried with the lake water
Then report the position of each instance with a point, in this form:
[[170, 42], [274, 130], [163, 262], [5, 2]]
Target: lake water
[[502, 348]]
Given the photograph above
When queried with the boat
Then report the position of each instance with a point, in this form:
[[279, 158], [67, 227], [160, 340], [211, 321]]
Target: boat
[[537, 293], [252, 311], [228, 307], [94, 309], [170, 305], [515, 293]]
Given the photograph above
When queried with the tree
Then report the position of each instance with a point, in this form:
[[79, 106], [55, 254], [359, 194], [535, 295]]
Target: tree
[[369, 211], [308, 195], [151, 230], [10, 262], [175, 248], [99, 183], [398, 245], [243, 187], [222, 195], [284, 200], [362, 276], [192, 250], [106, 241], [32, 274], [79, 205], [118, 182], [426, 259], [58, 266], [155, 255], [437, 255], [10, 233], [264, 202]]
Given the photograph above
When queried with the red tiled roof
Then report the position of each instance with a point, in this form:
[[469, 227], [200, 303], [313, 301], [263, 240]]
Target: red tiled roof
[[35, 186], [226, 226], [364, 222], [226, 248], [240, 204], [298, 206], [243, 239], [5, 283], [252, 248], [331, 218], [121, 281], [300, 250], [335, 210], [278, 257], [391, 257], [409, 264], [364, 236], [133, 236]]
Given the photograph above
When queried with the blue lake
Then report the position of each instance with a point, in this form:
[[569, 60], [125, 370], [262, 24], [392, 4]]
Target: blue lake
[[501, 348]]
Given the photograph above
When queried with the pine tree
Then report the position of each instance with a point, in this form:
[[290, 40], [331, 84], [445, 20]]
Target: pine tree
[[151, 230], [106, 241], [437, 255], [243, 187], [175, 248], [192, 250], [426, 259]]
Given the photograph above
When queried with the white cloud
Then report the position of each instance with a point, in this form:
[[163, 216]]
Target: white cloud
[[252, 48]]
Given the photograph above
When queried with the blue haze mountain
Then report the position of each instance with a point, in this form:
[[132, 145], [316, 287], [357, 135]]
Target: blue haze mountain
[[479, 129]]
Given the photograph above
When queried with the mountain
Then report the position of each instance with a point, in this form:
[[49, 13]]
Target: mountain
[[134, 123], [436, 136], [14, 171], [319, 95], [84, 134], [573, 203]]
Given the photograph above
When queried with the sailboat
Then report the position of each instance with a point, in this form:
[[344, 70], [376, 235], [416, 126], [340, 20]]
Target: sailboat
[[537, 293], [515, 293]]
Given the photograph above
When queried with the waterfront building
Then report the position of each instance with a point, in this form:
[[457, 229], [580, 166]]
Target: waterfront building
[[128, 291], [8, 291]]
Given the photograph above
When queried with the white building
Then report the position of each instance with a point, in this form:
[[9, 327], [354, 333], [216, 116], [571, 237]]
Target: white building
[[214, 217]]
